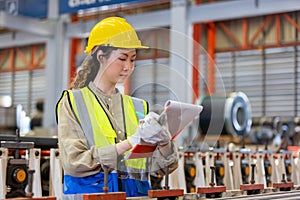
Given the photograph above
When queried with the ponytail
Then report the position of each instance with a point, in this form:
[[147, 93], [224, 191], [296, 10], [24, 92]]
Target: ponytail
[[90, 67]]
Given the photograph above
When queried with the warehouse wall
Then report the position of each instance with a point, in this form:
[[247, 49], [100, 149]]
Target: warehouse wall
[[269, 77]]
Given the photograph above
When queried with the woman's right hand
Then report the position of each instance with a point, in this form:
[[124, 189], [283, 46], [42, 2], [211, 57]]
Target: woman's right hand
[[150, 131]]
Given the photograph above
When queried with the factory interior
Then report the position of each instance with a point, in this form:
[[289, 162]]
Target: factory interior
[[238, 59]]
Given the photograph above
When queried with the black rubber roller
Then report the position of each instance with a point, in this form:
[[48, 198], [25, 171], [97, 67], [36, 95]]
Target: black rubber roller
[[225, 115]]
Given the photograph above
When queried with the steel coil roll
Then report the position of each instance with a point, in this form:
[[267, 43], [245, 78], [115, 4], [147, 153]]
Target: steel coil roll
[[225, 115]]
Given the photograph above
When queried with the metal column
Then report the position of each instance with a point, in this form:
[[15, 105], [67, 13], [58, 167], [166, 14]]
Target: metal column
[[57, 68], [180, 55]]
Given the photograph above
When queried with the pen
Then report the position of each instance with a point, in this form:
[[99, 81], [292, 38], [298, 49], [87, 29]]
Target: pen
[[161, 118], [140, 114]]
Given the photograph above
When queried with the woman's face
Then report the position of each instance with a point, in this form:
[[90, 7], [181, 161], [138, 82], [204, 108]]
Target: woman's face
[[118, 66]]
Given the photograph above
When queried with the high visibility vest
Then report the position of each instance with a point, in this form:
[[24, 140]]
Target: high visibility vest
[[96, 124]]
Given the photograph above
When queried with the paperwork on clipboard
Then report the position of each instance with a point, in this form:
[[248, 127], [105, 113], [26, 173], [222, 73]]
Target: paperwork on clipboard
[[179, 115]]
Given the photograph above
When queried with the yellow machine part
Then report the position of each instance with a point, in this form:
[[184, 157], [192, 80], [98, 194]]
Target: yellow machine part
[[20, 175]]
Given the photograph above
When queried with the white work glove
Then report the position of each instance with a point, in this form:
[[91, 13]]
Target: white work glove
[[150, 131]]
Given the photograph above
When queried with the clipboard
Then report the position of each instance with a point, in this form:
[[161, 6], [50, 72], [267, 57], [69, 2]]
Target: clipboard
[[179, 115]]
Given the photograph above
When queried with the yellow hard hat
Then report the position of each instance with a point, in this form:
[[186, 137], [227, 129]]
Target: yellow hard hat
[[115, 32]]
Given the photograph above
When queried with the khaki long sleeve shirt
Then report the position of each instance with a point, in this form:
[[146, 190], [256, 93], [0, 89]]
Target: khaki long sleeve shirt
[[80, 160]]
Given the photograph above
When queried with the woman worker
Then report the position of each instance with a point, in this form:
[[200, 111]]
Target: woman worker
[[98, 126]]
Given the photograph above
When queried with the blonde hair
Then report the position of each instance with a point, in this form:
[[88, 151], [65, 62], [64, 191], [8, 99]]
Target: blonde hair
[[90, 67]]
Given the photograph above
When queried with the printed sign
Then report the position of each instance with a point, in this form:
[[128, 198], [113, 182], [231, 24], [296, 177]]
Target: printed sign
[[72, 6]]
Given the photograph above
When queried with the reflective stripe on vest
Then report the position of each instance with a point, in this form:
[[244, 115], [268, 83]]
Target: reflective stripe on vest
[[139, 106], [84, 105], [84, 117], [97, 126]]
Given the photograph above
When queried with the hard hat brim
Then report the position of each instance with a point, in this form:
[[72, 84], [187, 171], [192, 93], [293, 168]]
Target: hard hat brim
[[87, 50]]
